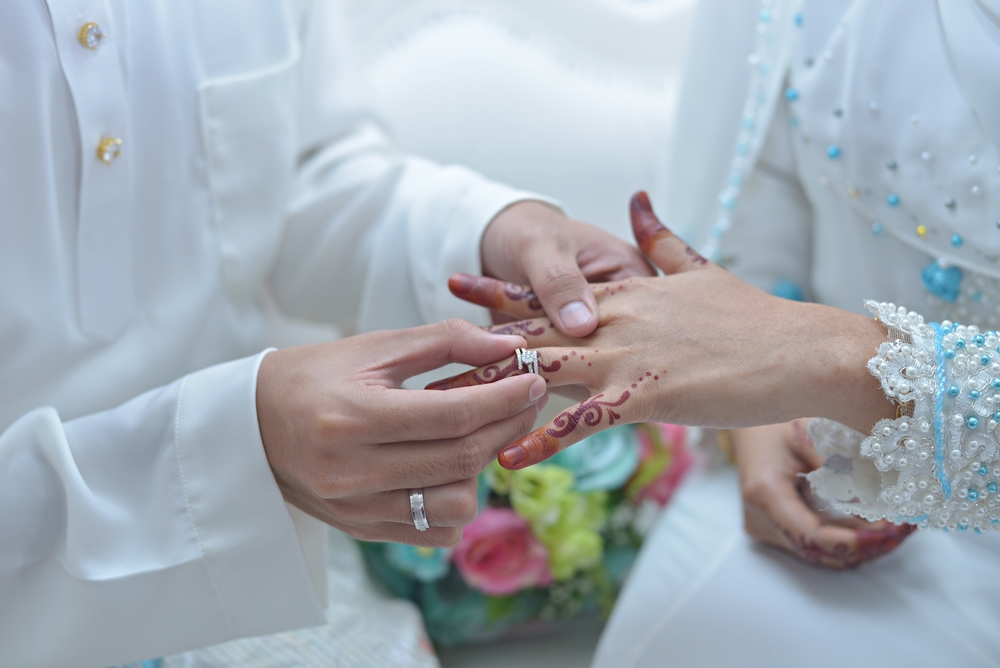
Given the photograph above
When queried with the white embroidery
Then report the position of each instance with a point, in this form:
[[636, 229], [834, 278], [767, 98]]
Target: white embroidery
[[936, 467]]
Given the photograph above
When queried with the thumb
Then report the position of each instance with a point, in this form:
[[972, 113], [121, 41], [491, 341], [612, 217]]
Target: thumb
[[563, 292], [664, 248]]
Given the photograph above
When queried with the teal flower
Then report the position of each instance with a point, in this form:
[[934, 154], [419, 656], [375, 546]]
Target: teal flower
[[605, 460], [426, 564]]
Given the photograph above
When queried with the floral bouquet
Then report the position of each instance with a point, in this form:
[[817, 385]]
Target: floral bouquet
[[552, 541]]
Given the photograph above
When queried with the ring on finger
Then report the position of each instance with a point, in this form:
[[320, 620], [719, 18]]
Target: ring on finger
[[417, 510], [527, 359]]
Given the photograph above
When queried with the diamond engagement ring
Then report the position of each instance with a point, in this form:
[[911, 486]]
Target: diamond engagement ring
[[527, 359], [417, 510]]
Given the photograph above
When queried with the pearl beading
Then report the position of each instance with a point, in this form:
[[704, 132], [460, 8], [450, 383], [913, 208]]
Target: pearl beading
[[938, 466]]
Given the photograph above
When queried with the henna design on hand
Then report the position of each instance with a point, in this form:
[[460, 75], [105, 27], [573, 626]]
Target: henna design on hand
[[518, 293], [696, 256], [523, 327], [872, 544], [590, 412], [648, 229]]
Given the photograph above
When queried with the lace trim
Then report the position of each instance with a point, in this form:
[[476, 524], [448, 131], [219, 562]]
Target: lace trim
[[938, 466]]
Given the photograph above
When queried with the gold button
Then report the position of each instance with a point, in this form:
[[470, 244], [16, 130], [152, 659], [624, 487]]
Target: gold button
[[109, 150], [90, 35]]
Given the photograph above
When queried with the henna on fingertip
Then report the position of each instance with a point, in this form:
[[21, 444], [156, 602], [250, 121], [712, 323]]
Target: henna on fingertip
[[510, 298]]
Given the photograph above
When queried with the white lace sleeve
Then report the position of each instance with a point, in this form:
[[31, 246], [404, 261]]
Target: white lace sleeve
[[936, 466]]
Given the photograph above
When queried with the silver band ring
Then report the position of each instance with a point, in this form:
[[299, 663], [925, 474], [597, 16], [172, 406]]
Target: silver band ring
[[527, 359], [417, 510]]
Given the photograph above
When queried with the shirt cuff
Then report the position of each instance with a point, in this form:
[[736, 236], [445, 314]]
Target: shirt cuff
[[249, 541]]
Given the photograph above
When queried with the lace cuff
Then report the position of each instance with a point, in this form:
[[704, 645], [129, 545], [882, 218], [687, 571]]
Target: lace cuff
[[936, 465]]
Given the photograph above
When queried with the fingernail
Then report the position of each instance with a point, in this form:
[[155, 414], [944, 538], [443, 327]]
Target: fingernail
[[512, 456], [439, 385], [640, 201], [575, 314], [537, 390], [461, 283]]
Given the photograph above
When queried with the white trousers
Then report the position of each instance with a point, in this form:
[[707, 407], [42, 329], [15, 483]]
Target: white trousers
[[703, 594]]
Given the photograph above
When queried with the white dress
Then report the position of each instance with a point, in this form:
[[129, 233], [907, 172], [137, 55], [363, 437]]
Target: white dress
[[865, 167]]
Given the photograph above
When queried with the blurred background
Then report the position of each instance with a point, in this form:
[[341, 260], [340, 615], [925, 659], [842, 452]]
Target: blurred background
[[571, 98]]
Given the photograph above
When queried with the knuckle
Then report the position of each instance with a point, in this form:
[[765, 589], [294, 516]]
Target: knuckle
[[466, 508], [471, 459], [460, 418], [455, 327], [558, 276]]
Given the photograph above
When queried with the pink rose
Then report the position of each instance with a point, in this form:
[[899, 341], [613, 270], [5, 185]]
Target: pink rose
[[499, 555], [666, 438]]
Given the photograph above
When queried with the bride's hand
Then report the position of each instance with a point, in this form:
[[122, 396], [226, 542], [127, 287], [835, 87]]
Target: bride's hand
[[779, 509], [696, 347]]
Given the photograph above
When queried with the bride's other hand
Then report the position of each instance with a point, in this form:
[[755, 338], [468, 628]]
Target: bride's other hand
[[779, 509], [534, 244], [696, 347]]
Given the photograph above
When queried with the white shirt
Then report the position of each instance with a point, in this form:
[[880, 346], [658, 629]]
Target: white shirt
[[138, 515]]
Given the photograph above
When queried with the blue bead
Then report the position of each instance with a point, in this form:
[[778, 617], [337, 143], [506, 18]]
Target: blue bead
[[729, 201], [972, 422], [892, 199], [983, 470], [973, 494], [943, 283], [956, 240], [765, 15], [963, 527], [748, 122], [793, 121], [953, 390], [949, 354], [735, 179], [765, 70], [996, 383], [791, 94], [798, 19], [960, 343], [992, 487], [788, 290], [833, 151], [996, 416], [984, 360], [742, 148], [979, 339], [877, 229], [973, 394]]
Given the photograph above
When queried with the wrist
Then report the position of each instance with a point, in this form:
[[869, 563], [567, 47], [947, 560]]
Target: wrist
[[839, 385]]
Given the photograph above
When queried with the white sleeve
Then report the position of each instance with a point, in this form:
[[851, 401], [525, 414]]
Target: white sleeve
[[937, 465], [147, 529], [770, 242], [372, 234]]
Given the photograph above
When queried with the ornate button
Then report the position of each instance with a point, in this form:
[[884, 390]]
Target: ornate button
[[109, 149], [90, 36]]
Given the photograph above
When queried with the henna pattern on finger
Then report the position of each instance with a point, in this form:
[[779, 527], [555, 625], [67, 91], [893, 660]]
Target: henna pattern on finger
[[524, 328], [646, 226], [591, 412], [518, 293], [696, 257], [872, 544]]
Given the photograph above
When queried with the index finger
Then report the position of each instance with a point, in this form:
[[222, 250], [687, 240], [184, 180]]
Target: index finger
[[425, 415], [510, 298]]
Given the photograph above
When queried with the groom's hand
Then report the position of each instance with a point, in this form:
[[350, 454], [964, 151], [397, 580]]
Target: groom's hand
[[531, 243], [346, 444]]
